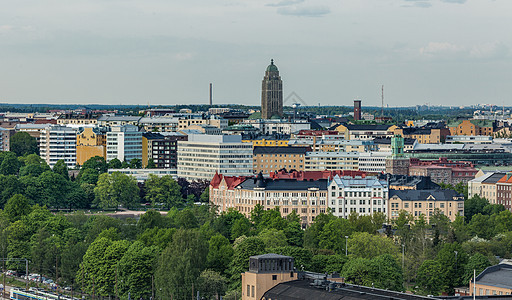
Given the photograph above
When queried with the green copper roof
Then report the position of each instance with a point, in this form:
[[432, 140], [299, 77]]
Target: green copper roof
[[272, 67]]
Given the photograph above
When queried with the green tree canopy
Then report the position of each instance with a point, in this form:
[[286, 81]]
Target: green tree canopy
[[21, 143]]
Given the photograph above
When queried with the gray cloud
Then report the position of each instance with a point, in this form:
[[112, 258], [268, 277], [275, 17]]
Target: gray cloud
[[454, 1], [428, 3], [304, 11], [285, 3]]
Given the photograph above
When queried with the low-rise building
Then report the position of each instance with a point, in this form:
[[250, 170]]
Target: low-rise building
[[362, 195], [268, 159], [202, 156], [425, 202], [494, 280]]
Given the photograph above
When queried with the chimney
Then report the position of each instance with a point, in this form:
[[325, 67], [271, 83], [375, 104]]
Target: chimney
[[357, 109]]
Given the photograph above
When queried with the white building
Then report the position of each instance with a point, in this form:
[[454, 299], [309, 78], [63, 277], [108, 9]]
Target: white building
[[58, 142], [323, 160], [204, 155], [124, 143], [361, 195], [269, 127], [373, 161]]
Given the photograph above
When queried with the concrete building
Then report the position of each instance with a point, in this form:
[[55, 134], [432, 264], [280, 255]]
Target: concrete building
[[364, 132], [265, 272], [425, 202], [124, 143], [332, 161], [268, 159], [357, 110], [91, 142], [34, 130], [278, 126], [78, 119], [162, 148], [373, 161], [504, 191], [363, 196], [113, 120], [58, 143], [494, 280], [199, 119], [202, 156], [271, 93], [464, 139], [443, 170], [268, 141], [159, 124], [333, 143], [424, 135], [5, 136], [472, 127]]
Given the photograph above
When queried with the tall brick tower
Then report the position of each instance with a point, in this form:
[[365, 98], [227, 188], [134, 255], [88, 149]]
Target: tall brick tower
[[271, 93], [397, 163]]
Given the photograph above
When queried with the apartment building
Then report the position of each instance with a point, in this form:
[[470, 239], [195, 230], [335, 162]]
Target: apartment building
[[333, 143], [485, 186], [364, 161], [424, 135], [90, 142], [443, 170], [268, 141], [306, 198], [5, 136], [202, 156], [78, 119], [373, 161], [365, 132], [186, 121], [58, 143], [425, 202], [268, 159], [278, 126], [472, 127], [504, 191], [107, 120], [159, 124], [162, 148], [363, 195], [124, 143]]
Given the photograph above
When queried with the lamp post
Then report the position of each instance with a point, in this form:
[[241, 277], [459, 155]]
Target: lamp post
[[346, 245]]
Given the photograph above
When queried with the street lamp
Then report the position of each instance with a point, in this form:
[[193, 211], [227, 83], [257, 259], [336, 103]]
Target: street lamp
[[403, 257], [456, 252], [346, 245]]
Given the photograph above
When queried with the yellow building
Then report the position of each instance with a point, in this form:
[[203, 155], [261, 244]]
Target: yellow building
[[426, 203], [90, 142]]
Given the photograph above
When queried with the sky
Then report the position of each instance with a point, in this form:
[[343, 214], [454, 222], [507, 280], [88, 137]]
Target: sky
[[329, 52]]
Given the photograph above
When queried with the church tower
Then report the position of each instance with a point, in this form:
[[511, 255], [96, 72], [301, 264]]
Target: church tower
[[271, 93], [397, 163]]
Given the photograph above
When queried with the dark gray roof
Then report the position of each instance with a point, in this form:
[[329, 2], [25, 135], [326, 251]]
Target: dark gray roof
[[439, 195], [270, 255], [498, 276], [387, 141], [418, 182], [284, 184], [494, 178], [307, 289], [367, 127], [280, 150]]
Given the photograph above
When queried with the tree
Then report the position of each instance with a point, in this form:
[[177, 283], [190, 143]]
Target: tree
[[10, 164], [17, 207], [151, 164], [180, 265], [10, 187], [430, 279], [135, 163], [21, 143], [452, 259], [150, 219], [97, 163], [54, 189], [362, 244], [163, 190], [89, 176], [273, 238], [332, 235], [220, 253], [116, 189], [248, 247], [212, 284], [478, 263], [61, 168], [115, 164], [136, 269], [473, 206]]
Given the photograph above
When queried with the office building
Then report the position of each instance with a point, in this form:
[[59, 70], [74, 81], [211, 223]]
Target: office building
[[268, 159], [91, 142], [202, 156], [162, 148], [124, 143]]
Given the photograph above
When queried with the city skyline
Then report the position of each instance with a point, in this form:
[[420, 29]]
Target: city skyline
[[450, 52]]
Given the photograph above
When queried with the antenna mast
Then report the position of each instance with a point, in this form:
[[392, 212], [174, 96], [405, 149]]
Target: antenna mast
[[382, 107]]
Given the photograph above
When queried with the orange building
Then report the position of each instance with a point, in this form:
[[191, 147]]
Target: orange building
[[495, 280], [90, 142], [472, 127]]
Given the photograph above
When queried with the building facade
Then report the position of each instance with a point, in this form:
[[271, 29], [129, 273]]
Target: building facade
[[162, 148], [363, 196], [5, 136], [202, 156], [268, 159], [271, 93], [425, 202], [58, 143], [124, 143], [91, 142]]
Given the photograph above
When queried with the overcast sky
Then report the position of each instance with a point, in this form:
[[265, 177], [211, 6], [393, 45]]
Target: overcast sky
[[449, 52]]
